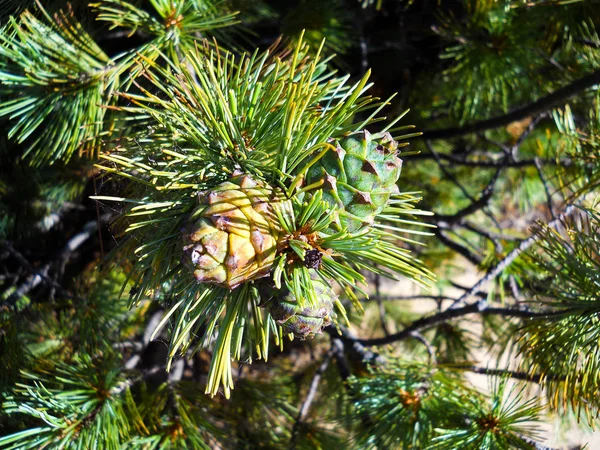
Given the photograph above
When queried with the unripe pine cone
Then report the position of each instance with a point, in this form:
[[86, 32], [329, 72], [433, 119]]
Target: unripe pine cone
[[232, 234], [306, 321], [359, 177]]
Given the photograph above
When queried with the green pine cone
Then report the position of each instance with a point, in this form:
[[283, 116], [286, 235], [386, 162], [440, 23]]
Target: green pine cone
[[305, 321], [358, 177]]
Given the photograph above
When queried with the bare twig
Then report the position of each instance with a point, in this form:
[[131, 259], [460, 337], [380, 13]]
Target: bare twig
[[98, 218], [392, 298], [538, 166], [129, 382], [310, 396], [484, 233], [446, 172], [490, 164], [474, 206], [338, 349], [36, 277], [419, 337], [380, 305], [537, 445], [473, 258], [354, 346], [508, 259]]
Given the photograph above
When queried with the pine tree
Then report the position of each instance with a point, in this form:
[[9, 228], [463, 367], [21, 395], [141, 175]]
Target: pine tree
[[217, 232]]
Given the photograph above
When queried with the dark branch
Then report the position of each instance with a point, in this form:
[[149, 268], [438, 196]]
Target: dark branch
[[540, 171], [490, 164], [353, 346], [542, 105], [536, 444], [524, 376], [38, 276], [393, 298], [479, 307], [474, 206], [447, 173], [473, 258], [483, 233]]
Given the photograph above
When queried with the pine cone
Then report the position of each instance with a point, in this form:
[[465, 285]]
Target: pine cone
[[233, 233], [359, 177], [306, 321]]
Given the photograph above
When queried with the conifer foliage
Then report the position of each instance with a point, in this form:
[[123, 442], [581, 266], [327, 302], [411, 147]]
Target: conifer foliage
[[215, 237]]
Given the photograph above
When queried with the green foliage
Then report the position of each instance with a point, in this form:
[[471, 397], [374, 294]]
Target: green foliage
[[580, 141], [503, 421], [64, 402], [264, 411], [174, 416], [492, 58], [562, 347], [56, 79], [89, 404], [178, 26], [268, 116], [433, 408], [502, 53], [454, 342]]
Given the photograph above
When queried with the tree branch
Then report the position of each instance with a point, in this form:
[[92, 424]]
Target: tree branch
[[394, 298], [524, 376], [474, 206], [542, 105], [537, 445], [489, 164], [473, 258], [479, 307], [37, 276]]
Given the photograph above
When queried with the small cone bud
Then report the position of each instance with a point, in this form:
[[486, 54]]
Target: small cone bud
[[303, 321]]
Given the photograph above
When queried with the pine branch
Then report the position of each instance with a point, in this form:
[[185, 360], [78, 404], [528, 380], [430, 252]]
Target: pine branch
[[393, 298], [485, 234], [549, 203], [480, 307], [537, 445], [55, 81], [473, 258], [524, 376], [476, 205], [557, 98], [37, 276], [344, 341]]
